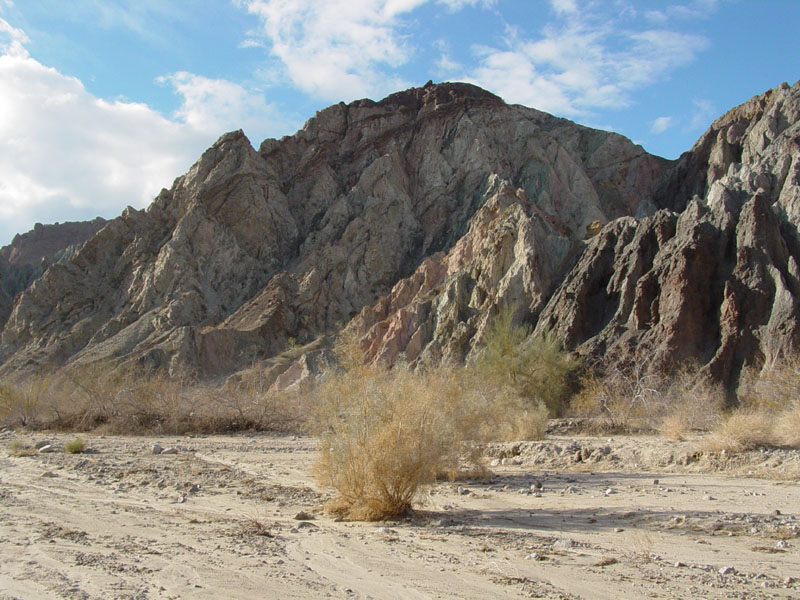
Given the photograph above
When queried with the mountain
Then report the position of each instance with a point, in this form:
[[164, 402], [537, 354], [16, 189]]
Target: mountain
[[410, 221], [29, 254]]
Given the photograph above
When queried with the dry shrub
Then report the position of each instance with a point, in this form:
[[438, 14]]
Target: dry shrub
[[126, 401], [787, 429], [387, 433], [769, 411], [740, 431], [637, 397]]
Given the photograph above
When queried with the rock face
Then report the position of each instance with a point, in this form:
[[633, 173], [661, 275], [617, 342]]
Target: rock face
[[29, 254], [411, 220], [719, 282], [250, 248]]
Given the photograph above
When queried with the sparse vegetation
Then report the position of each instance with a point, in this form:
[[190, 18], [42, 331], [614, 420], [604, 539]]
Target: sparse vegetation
[[387, 433], [637, 397], [18, 449], [127, 401], [75, 446], [537, 369], [769, 411]]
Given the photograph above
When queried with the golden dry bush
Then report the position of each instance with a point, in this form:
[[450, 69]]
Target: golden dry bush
[[787, 427], [385, 434], [636, 397], [740, 431]]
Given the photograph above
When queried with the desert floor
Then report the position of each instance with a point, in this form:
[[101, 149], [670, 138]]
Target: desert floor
[[636, 517]]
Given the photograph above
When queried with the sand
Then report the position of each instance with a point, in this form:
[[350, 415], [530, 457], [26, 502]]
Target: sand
[[636, 517]]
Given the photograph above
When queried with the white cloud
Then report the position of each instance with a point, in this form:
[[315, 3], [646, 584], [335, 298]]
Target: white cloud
[[583, 61], [661, 124], [68, 155], [342, 50], [563, 7], [15, 44], [702, 115], [216, 105]]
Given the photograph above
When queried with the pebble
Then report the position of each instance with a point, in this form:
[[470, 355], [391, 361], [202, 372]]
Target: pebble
[[495, 462], [157, 449], [169, 451], [303, 516], [679, 565], [618, 530], [462, 491], [727, 571], [610, 491]]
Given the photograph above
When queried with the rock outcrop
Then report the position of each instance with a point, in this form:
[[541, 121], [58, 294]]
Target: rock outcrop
[[717, 283], [29, 254], [411, 220]]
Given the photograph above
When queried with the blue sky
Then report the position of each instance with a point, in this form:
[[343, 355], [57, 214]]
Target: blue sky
[[103, 103]]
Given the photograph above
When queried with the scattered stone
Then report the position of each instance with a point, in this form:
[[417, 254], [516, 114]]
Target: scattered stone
[[679, 565], [48, 474], [169, 451], [495, 462], [462, 491], [157, 449], [618, 530], [609, 491], [303, 516], [727, 571]]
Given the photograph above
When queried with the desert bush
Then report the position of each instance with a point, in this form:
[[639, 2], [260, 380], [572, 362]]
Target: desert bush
[[535, 368], [637, 397], [768, 412], [18, 449], [740, 431], [26, 402], [75, 446], [127, 401], [385, 434]]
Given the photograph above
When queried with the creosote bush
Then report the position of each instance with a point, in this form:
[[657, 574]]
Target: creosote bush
[[535, 368], [385, 434], [637, 397], [75, 446]]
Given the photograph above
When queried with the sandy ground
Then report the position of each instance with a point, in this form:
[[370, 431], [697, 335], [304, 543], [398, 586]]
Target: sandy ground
[[635, 517]]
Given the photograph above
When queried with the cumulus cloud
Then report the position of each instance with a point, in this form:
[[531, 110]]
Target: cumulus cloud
[[661, 124], [342, 50], [582, 61], [68, 155]]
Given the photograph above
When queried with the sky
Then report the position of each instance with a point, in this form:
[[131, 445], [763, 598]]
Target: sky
[[103, 103]]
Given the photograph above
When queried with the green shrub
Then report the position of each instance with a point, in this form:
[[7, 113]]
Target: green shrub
[[75, 446], [535, 368]]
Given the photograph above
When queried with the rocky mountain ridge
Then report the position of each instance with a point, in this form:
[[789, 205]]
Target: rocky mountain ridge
[[29, 254], [410, 221]]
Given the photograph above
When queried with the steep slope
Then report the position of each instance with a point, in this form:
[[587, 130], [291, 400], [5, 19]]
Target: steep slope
[[719, 283], [250, 248], [29, 254], [712, 277]]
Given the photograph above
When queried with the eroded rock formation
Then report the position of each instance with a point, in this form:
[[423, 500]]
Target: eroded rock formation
[[411, 220], [250, 248], [29, 254]]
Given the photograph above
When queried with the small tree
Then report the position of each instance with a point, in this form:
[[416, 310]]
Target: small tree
[[535, 368]]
